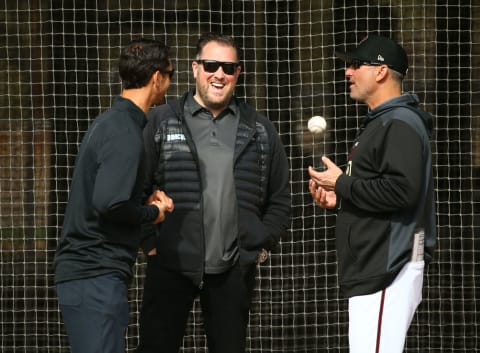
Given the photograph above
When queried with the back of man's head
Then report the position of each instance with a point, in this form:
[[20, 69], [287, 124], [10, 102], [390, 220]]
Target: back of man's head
[[140, 59]]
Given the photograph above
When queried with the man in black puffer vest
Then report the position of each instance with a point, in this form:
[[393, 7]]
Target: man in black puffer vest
[[226, 170]]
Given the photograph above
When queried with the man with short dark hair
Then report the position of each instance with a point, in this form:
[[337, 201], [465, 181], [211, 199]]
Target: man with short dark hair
[[226, 169], [385, 231], [101, 229]]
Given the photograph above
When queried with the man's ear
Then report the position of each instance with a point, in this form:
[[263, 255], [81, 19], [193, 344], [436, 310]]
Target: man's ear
[[382, 72], [194, 68], [157, 77]]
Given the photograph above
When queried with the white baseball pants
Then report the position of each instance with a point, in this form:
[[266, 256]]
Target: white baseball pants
[[378, 322]]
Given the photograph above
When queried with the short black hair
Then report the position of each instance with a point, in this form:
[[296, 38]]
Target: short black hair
[[140, 59], [220, 38]]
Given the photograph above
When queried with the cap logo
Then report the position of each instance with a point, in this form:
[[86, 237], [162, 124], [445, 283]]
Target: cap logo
[[380, 58]]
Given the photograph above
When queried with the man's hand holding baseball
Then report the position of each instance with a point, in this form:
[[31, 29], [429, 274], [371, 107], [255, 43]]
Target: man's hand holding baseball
[[327, 178]]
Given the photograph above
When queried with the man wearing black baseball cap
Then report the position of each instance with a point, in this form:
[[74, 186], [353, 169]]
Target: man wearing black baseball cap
[[385, 230], [377, 50]]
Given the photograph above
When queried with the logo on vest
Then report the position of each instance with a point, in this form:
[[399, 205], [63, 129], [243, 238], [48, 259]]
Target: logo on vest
[[175, 137]]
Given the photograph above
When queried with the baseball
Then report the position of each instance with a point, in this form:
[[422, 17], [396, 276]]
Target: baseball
[[317, 124]]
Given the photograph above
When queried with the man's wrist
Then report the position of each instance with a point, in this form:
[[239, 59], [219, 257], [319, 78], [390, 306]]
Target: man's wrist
[[262, 256]]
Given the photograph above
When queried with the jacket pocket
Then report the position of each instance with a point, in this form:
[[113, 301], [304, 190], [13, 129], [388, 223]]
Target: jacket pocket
[[346, 257], [253, 235]]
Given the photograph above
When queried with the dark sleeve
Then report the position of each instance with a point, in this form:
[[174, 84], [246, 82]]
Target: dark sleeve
[[399, 163], [276, 216], [129, 212], [116, 195]]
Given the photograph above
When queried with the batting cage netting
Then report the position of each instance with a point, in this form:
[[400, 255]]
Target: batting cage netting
[[58, 71]]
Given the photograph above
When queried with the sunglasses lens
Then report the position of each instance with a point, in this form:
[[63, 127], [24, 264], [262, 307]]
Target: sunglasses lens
[[212, 66], [228, 68], [356, 64]]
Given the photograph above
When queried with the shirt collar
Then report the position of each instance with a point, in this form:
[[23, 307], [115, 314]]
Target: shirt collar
[[196, 108], [126, 104]]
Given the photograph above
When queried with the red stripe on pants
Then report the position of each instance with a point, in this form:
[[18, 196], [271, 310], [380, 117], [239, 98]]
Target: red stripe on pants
[[380, 317]]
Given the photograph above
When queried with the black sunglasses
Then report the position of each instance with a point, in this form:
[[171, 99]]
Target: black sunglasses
[[168, 72], [356, 64], [212, 66]]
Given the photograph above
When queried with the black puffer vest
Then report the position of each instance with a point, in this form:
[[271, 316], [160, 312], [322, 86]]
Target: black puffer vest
[[179, 239]]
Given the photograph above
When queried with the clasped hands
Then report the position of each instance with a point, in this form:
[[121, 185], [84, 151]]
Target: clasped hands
[[322, 184], [163, 202]]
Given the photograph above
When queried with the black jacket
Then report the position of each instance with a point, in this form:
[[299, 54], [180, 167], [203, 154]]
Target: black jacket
[[261, 174], [385, 196], [101, 228]]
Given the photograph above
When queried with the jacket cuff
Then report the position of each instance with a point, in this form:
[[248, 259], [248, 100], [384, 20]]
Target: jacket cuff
[[342, 185]]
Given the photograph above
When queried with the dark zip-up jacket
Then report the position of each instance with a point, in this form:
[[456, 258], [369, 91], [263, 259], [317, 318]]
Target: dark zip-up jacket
[[101, 228], [385, 197], [261, 175]]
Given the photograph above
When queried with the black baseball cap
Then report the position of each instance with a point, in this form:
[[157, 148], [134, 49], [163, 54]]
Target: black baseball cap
[[377, 50]]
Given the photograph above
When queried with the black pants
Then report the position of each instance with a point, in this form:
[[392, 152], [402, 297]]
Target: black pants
[[168, 299]]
